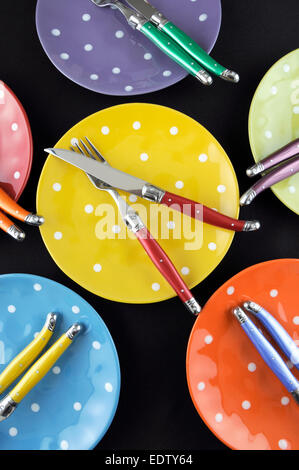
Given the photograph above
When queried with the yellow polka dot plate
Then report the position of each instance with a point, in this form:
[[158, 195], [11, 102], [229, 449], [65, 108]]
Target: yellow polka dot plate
[[83, 231], [274, 120]]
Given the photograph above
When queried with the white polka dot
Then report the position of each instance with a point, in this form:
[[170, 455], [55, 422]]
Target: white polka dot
[[108, 387], [167, 73], [16, 175], [268, 134], [77, 406], [55, 32], [173, 130], [246, 405], [56, 187], [212, 246], [147, 56], [155, 286], [208, 339], [286, 68], [144, 157], [75, 309], [251, 367], [296, 320], [94, 76], [37, 286], [136, 125], [179, 184], [96, 345], [35, 407], [97, 268], [105, 130], [273, 293], [11, 308], [88, 47], [14, 126], [13, 432], [202, 157], [185, 270], [74, 141], [64, 445], [128, 88], [282, 443], [274, 90], [36, 334], [88, 208], [56, 370], [292, 189], [64, 56], [116, 229], [58, 235], [221, 188], [218, 418], [203, 17], [86, 17], [230, 290], [132, 198], [119, 34], [296, 110], [116, 70], [285, 401], [171, 225], [201, 386]]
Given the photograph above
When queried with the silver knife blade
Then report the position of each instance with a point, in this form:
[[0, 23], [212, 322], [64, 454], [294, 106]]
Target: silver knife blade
[[115, 178], [143, 7]]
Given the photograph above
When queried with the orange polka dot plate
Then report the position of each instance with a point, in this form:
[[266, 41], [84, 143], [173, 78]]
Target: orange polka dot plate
[[236, 394]]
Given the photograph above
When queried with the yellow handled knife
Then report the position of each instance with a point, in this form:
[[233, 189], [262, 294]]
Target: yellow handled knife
[[23, 360], [36, 372]]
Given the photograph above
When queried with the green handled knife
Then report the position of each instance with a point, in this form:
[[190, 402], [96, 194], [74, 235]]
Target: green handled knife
[[160, 39], [181, 38]]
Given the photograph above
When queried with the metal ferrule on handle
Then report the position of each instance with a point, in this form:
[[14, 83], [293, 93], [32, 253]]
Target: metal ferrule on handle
[[167, 269], [268, 353], [276, 330]]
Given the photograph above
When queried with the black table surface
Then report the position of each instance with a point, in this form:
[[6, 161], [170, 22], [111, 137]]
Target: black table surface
[[155, 410]]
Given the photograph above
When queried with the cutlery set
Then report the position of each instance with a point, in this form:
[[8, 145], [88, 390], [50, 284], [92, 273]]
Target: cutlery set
[[269, 354], [281, 165], [170, 39], [38, 370]]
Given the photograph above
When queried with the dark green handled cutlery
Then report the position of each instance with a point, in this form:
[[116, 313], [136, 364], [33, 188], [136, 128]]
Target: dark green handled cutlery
[[171, 40]]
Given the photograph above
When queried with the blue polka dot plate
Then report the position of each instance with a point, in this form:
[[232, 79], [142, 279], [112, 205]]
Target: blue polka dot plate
[[73, 406]]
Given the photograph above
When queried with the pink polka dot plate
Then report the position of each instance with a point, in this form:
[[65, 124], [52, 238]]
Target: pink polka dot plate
[[16, 146], [236, 394]]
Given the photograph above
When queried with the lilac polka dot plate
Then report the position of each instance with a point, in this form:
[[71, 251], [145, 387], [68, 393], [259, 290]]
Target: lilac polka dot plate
[[96, 48], [73, 406]]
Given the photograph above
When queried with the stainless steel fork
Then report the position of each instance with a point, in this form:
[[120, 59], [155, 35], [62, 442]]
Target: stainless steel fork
[[136, 225]]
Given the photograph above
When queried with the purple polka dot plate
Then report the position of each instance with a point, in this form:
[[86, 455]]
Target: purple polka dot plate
[[96, 48]]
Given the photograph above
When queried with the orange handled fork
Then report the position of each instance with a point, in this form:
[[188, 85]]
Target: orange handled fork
[[8, 205]]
